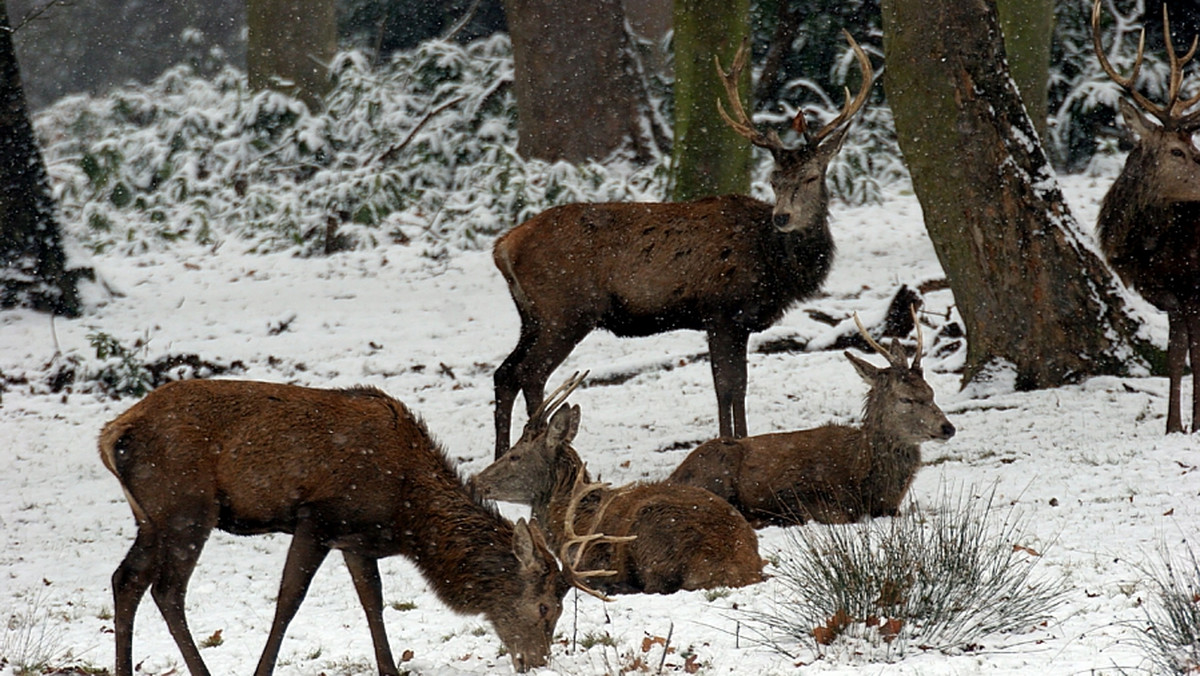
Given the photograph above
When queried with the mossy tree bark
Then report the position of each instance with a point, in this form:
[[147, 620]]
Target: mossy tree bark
[[289, 44], [709, 158], [1030, 290], [33, 266], [579, 96], [1028, 27]]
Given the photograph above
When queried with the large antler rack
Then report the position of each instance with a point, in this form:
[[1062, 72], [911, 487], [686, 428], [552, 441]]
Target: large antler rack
[[895, 356], [1173, 114], [581, 542], [744, 126]]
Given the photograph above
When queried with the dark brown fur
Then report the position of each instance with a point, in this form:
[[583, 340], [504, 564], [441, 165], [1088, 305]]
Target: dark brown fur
[[686, 538], [830, 474], [352, 470]]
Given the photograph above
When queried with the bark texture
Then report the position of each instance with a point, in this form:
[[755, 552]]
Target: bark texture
[[709, 157], [579, 96], [1030, 290]]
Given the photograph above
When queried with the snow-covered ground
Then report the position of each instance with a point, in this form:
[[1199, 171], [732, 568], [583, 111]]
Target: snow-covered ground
[[1087, 467]]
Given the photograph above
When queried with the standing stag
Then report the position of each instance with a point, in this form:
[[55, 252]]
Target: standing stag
[[352, 470], [835, 473], [1149, 224], [681, 537], [728, 266]]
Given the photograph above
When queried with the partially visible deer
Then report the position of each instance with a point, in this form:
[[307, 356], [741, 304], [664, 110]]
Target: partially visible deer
[[686, 538], [1149, 223], [728, 266], [834, 473], [352, 470]]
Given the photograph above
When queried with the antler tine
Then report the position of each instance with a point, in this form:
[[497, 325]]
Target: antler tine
[[895, 360], [851, 106], [916, 360], [581, 542], [1176, 107], [741, 122], [1162, 113], [559, 395]]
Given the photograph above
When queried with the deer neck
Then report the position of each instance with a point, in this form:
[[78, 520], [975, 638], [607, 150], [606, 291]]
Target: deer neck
[[463, 552], [893, 463], [567, 469]]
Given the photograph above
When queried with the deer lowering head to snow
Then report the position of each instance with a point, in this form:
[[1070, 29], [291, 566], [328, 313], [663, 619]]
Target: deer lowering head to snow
[[728, 266], [1149, 223], [834, 473], [682, 537], [352, 470]]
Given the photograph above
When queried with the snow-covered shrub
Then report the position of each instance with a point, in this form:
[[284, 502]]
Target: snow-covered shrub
[[941, 578], [1171, 639], [421, 147]]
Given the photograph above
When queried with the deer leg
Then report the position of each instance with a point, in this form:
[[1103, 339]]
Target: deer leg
[[727, 352], [178, 551], [364, 571], [304, 557], [1176, 356], [507, 380], [130, 582]]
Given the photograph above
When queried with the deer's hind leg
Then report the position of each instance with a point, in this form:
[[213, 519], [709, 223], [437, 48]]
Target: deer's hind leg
[[129, 582], [177, 550]]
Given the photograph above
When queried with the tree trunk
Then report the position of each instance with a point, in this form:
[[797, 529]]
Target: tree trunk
[[289, 44], [709, 158], [33, 269], [578, 93], [1030, 292], [1028, 27]]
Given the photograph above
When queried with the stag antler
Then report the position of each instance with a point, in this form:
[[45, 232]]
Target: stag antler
[[742, 124], [895, 356], [1171, 114], [582, 542], [557, 397]]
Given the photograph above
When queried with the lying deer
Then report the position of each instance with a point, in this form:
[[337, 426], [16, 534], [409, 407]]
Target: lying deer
[[835, 473], [728, 266], [352, 470], [1149, 223], [686, 538]]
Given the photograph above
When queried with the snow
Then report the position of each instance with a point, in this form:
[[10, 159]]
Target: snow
[[1101, 489]]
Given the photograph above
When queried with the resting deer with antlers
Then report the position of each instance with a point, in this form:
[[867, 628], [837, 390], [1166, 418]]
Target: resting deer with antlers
[[682, 537], [352, 470], [835, 473], [728, 266], [1149, 223]]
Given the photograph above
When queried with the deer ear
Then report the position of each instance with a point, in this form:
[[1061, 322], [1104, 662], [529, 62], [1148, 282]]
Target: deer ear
[[866, 369], [564, 425], [1139, 124], [525, 547]]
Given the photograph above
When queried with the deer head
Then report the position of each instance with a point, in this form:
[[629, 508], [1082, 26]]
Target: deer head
[[801, 197]]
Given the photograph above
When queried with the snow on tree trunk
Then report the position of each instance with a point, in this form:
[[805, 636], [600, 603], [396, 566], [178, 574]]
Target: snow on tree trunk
[[33, 270], [1030, 290]]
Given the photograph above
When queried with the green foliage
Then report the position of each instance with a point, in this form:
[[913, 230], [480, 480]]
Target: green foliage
[[943, 578], [122, 371], [422, 147]]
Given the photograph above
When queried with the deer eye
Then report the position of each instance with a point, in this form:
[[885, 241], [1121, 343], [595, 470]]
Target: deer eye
[[543, 609], [1176, 152]]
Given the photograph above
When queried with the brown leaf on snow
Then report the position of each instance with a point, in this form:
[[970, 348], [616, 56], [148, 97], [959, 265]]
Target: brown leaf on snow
[[649, 642], [1027, 550], [406, 656], [690, 665]]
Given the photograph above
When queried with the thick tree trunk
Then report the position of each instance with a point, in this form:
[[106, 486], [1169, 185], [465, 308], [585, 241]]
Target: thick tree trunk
[[33, 270], [578, 93], [709, 157], [1030, 292], [289, 44]]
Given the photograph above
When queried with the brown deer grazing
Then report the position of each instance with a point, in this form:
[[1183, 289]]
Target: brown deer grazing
[[835, 473], [685, 538], [352, 470], [728, 266], [1149, 223]]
